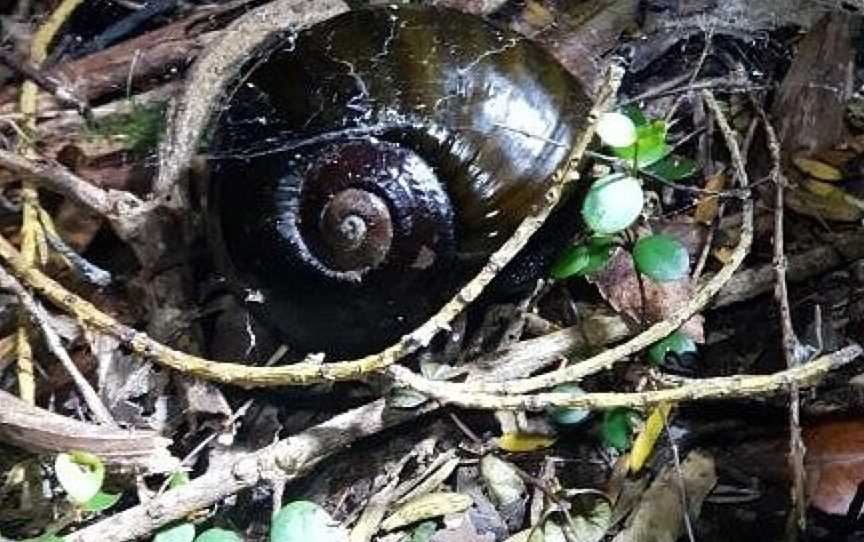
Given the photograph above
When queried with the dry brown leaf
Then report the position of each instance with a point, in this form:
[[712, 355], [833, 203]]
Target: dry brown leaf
[[619, 285], [659, 517], [835, 157], [706, 209], [834, 463]]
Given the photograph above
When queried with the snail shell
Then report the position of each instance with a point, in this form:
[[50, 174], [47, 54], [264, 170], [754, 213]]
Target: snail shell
[[364, 169]]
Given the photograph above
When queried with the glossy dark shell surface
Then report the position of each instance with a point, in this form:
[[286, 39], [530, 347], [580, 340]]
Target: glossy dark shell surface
[[455, 124]]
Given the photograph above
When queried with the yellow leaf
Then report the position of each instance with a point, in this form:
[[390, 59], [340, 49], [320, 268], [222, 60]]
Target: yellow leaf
[[825, 201], [706, 208], [644, 443], [524, 442], [427, 506], [817, 169]]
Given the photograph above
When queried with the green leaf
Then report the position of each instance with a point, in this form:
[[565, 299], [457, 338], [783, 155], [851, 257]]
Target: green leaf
[[218, 535], [612, 203], [617, 428], [616, 130], [405, 398], [635, 114], [592, 516], [304, 521], [81, 474], [582, 259], [47, 537], [677, 342], [101, 501], [650, 146], [674, 168], [568, 415], [423, 532], [661, 257], [177, 479], [184, 532]]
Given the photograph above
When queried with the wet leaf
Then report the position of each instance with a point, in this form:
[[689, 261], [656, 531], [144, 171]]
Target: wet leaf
[[567, 415], [650, 146], [552, 532], [524, 442], [423, 532], [305, 521], [834, 463], [44, 538], [817, 169], [184, 532], [617, 427], [635, 114], [592, 516], [503, 481], [677, 342], [647, 438], [616, 130], [177, 479], [405, 398], [218, 535], [674, 168], [661, 257], [612, 203], [101, 501], [422, 508], [81, 475], [583, 259]]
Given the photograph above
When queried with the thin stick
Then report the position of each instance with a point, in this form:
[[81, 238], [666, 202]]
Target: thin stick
[[40, 316], [792, 348], [63, 94], [719, 388], [289, 458]]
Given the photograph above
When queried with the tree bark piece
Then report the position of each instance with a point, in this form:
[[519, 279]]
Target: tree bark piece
[[40, 431]]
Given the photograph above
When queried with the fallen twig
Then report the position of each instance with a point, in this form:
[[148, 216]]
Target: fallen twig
[[63, 94], [727, 387], [112, 204], [793, 350], [286, 460], [38, 314], [31, 231]]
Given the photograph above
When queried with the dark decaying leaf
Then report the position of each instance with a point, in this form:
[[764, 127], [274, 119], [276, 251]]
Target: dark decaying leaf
[[674, 168], [618, 284]]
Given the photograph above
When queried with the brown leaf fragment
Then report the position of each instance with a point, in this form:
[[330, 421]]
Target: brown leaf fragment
[[834, 463], [707, 207], [835, 157], [811, 99], [619, 285], [659, 516]]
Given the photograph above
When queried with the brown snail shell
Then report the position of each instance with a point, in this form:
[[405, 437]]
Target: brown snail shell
[[365, 168]]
